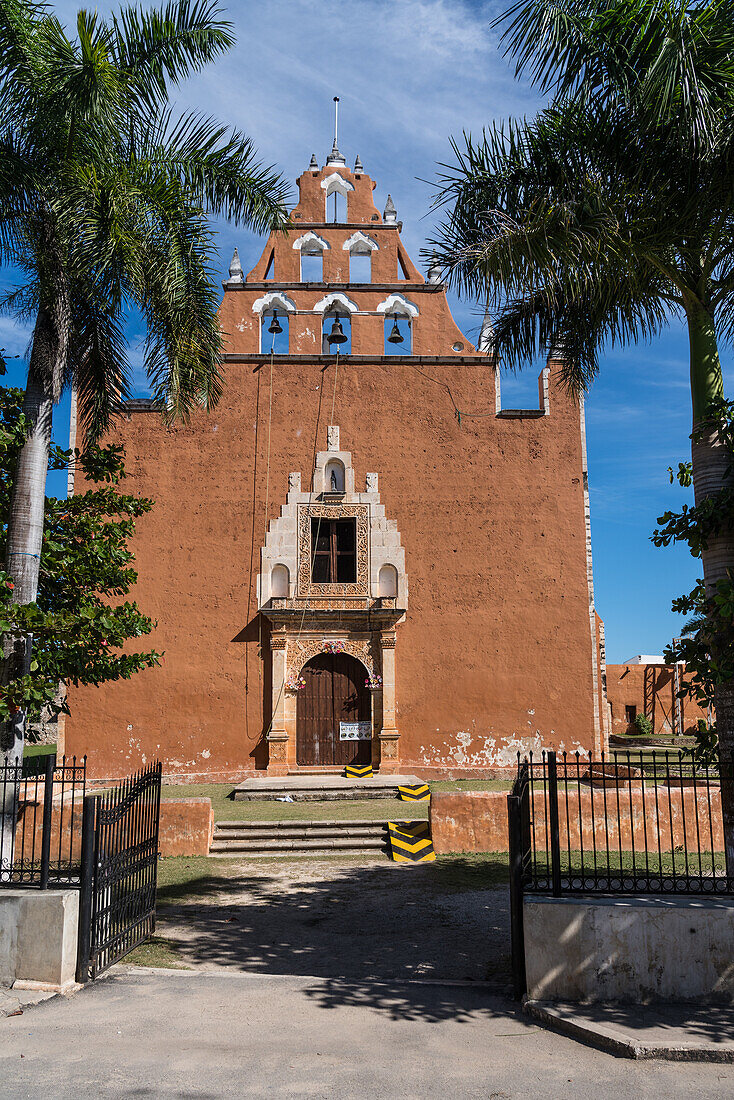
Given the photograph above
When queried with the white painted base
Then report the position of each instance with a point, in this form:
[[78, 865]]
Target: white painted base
[[38, 937], [629, 949]]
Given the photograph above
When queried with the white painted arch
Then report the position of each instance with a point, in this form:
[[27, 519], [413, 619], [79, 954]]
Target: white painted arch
[[396, 303], [335, 182], [310, 244], [274, 299], [334, 301], [360, 244]]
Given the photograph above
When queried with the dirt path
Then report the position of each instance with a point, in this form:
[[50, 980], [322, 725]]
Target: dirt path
[[371, 920]]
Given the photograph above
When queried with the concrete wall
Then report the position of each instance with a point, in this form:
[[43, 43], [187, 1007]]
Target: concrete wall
[[38, 936], [629, 949], [476, 821], [186, 827]]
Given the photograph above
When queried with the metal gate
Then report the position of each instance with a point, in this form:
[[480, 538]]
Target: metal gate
[[119, 871]]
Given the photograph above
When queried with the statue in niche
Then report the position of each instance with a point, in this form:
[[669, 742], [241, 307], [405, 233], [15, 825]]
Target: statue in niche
[[371, 483], [334, 482], [332, 438], [294, 481]]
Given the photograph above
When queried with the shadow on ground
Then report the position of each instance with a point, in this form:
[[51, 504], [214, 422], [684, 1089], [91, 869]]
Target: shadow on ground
[[364, 929]]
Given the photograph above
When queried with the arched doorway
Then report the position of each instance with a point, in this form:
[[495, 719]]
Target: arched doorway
[[333, 702]]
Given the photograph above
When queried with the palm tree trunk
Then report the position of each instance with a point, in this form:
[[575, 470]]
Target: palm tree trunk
[[25, 534], [710, 462]]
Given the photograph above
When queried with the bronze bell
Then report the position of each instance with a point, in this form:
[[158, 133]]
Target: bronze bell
[[336, 336], [275, 325], [395, 336]]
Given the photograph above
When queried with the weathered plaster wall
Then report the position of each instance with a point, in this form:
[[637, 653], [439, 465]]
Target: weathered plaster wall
[[629, 949], [626, 687], [186, 827], [476, 821], [496, 654]]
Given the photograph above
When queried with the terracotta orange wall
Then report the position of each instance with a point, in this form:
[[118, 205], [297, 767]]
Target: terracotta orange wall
[[476, 821], [495, 654], [626, 687], [186, 827], [496, 647]]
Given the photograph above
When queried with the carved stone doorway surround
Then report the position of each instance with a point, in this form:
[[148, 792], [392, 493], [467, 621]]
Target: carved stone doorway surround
[[291, 648], [307, 617]]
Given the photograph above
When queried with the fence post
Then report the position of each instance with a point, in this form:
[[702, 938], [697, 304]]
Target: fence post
[[48, 797], [555, 840], [517, 931], [84, 941]]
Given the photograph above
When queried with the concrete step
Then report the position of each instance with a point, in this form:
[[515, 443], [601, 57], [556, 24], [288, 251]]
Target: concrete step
[[273, 837], [299, 844], [287, 826], [320, 787]]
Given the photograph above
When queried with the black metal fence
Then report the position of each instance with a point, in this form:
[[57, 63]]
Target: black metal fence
[[40, 830], [635, 823], [119, 871]]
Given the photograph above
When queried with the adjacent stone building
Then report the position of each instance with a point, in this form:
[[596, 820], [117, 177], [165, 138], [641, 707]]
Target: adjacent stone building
[[359, 555]]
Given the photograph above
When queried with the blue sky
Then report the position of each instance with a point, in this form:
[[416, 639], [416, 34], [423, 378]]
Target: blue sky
[[410, 75]]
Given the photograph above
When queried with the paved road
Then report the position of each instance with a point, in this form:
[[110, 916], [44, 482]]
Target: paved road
[[204, 1034]]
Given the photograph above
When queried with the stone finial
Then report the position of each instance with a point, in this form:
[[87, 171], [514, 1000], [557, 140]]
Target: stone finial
[[314, 165], [371, 483], [486, 336], [335, 157], [235, 269], [434, 270], [389, 214], [332, 438], [294, 481], [557, 350], [358, 169]]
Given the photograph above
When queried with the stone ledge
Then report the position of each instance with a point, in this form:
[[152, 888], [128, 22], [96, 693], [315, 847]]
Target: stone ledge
[[668, 1032]]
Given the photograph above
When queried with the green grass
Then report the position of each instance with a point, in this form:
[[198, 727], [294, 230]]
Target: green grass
[[227, 809], [38, 750], [622, 863], [471, 784], [157, 951]]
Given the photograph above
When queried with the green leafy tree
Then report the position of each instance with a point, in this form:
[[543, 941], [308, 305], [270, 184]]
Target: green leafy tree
[[79, 621], [611, 211], [105, 196], [707, 644]]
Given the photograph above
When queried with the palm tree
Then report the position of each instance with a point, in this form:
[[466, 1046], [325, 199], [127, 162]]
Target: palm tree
[[611, 211], [104, 204]]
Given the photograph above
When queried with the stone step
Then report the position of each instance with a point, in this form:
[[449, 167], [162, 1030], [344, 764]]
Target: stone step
[[280, 826], [274, 837], [320, 787]]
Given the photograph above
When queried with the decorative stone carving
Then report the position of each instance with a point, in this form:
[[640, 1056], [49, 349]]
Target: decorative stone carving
[[308, 587], [388, 641], [371, 483], [278, 641], [332, 437], [304, 651], [294, 481]]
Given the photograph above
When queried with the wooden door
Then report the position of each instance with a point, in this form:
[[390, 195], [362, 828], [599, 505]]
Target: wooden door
[[335, 692]]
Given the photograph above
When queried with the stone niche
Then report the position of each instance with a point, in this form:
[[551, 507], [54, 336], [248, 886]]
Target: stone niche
[[308, 616]]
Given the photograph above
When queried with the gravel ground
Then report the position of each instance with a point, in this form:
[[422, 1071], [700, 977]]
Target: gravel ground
[[376, 921]]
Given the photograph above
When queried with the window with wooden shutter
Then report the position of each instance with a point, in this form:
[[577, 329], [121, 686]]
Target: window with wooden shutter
[[333, 550]]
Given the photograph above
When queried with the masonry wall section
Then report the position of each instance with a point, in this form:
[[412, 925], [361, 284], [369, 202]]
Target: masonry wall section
[[495, 654]]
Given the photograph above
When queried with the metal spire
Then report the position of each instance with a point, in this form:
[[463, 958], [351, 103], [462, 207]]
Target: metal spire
[[335, 156]]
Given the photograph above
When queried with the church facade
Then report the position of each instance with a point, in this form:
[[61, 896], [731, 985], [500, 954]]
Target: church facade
[[359, 556]]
